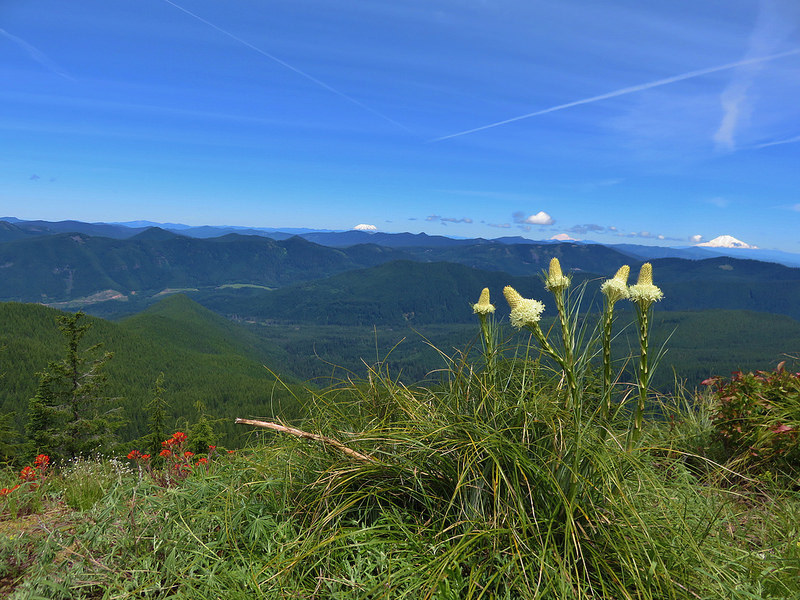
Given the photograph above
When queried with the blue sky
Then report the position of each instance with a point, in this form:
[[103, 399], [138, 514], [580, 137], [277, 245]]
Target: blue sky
[[614, 121]]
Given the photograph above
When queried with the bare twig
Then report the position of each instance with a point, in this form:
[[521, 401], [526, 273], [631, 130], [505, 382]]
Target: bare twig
[[309, 436]]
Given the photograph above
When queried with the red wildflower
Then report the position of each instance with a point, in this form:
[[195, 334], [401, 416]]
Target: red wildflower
[[27, 474], [202, 461], [211, 448], [145, 457], [41, 461], [165, 453], [6, 491], [134, 455], [188, 454]]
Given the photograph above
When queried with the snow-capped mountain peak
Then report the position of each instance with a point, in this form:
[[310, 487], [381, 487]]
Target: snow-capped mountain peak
[[727, 241]]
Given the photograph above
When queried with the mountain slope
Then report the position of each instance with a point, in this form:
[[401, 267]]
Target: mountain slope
[[392, 293], [526, 259], [204, 358], [69, 266]]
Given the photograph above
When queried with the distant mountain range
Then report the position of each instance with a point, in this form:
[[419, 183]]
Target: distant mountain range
[[348, 278], [12, 229]]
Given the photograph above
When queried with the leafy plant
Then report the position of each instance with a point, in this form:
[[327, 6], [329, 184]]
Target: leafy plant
[[757, 418]]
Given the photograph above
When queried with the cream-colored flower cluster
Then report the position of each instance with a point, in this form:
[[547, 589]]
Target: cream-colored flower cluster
[[524, 311], [556, 280], [644, 292], [528, 312], [616, 289], [483, 307]]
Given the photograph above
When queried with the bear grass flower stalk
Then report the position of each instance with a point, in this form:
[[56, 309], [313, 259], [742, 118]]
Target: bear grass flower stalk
[[527, 313], [557, 284], [613, 290], [644, 294], [484, 309]]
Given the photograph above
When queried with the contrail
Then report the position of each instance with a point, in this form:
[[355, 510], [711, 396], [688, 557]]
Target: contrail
[[792, 140], [627, 90], [37, 55], [283, 63]]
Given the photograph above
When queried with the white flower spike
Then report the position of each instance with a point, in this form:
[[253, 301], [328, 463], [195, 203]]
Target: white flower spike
[[483, 307], [616, 289], [556, 281], [523, 310], [644, 292]]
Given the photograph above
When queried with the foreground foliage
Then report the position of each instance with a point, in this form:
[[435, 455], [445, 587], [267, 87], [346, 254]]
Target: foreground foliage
[[247, 527], [515, 476]]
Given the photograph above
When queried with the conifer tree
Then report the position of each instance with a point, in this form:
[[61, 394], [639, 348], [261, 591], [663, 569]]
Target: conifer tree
[[201, 433], [157, 417], [9, 438], [71, 415]]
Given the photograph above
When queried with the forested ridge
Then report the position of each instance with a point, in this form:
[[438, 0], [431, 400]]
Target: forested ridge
[[203, 357]]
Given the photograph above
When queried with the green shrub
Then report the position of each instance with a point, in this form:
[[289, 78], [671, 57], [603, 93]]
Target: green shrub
[[757, 418]]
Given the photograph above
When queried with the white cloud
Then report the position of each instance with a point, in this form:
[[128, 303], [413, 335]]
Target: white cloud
[[774, 26], [446, 220], [365, 227], [563, 237], [540, 218], [695, 239], [734, 103], [582, 229]]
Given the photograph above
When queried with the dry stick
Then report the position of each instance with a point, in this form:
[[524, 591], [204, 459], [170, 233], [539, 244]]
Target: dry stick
[[309, 436]]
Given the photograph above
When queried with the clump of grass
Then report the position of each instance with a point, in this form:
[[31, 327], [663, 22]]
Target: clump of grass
[[504, 475], [84, 481]]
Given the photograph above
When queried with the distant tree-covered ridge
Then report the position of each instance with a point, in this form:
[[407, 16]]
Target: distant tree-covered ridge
[[115, 277], [69, 266]]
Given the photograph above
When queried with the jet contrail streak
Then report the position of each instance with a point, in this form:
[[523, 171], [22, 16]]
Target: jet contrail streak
[[793, 140], [627, 90], [283, 63], [37, 55]]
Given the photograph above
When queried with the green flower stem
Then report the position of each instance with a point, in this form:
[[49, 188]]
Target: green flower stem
[[643, 376], [566, 366], [566, 337], [489, 353], [608, 321]]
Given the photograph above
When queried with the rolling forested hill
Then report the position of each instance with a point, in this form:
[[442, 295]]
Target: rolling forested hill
[[203, 356]]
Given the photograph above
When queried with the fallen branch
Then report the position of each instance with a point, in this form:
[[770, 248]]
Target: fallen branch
[[309, 436]]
